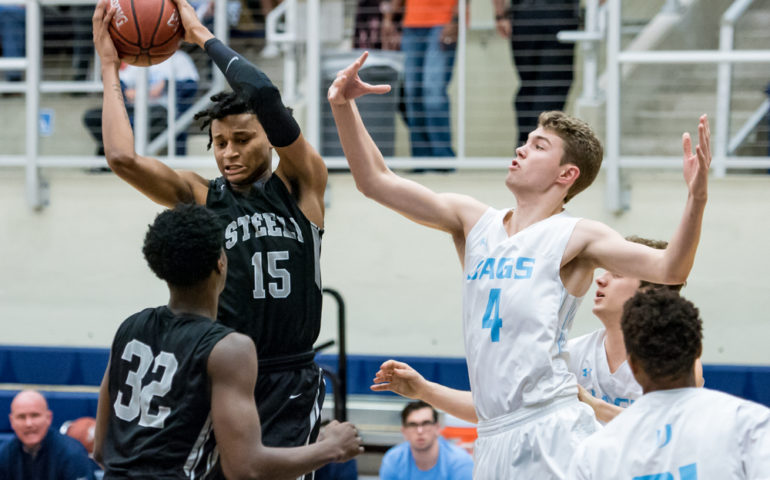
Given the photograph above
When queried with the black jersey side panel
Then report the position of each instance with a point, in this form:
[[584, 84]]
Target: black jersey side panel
[[160, 423], [273, 290]]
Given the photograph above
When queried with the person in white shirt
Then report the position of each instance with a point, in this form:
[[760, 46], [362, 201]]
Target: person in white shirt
[[675, 430], [525, 270]]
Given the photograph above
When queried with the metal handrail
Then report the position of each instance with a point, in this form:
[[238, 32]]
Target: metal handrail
[[725, 57]]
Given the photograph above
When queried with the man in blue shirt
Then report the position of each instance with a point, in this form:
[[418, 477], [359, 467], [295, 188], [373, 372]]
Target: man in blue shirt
[[425, 454], [39, 451]]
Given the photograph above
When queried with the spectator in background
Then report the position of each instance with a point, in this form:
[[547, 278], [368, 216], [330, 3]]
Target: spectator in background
[[13, 31], [179, 65], [425, 454], [38, 451], [544, 64], [428, 40]]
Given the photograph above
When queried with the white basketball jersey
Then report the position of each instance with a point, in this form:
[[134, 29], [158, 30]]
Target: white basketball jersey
[[682, 434], [516, 314], [588, 361]]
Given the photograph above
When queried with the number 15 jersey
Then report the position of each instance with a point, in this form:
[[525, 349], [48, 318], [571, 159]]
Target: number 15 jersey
[[273, 289], [517, 313]]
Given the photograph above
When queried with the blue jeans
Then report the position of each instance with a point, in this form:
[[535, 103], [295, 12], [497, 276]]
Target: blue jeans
[[428, 68], [12, 29]]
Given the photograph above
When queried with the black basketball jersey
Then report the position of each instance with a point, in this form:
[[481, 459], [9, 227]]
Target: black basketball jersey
[[273, 290], [160, 423]]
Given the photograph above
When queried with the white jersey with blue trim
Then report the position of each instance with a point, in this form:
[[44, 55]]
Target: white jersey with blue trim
[[588, 361], [684, 434], [517, 313]]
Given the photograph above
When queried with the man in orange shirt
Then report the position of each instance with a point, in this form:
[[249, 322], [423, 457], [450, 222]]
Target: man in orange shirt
[[428, 40]]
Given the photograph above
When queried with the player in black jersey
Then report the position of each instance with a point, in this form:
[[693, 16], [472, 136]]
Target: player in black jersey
[[271, 221], [177, 399]]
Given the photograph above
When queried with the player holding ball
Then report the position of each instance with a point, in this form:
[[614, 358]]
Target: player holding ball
[[271, 221]]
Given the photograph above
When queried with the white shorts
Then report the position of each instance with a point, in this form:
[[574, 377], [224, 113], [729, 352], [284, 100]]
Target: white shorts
[[534, 442]]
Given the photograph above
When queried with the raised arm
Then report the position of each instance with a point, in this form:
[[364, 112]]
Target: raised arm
[[452, 213], [301, 167], [237, 427], [400, 378], [607, 249], [148, 175]]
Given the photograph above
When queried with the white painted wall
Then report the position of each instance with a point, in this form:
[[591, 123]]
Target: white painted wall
[[73, 272]]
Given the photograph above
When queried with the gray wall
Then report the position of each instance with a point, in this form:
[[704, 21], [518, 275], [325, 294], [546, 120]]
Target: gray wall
[[74, 271]]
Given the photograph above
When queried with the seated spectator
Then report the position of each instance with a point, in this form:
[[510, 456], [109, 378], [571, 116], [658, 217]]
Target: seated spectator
[[179, 66], [425, 454], [38, 451], [13, 35]]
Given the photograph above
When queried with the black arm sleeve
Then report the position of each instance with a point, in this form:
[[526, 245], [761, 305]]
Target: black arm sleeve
[[257, 91]]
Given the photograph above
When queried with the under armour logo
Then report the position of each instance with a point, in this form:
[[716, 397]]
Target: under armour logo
[[664, 435], [587, 371]]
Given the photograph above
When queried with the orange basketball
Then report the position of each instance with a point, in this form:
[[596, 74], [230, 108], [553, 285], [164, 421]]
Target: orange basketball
[[145, 32], [82, 430]]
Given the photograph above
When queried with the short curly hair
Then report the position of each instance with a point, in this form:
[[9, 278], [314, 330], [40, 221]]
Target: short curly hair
[[581, 147], [663, 332], [225, 104], [183, 245]]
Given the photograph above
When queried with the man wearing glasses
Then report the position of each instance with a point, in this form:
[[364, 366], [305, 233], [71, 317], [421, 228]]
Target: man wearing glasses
[[425, 455]]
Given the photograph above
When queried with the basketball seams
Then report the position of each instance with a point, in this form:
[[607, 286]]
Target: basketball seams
[[150, 42], [157, 26]]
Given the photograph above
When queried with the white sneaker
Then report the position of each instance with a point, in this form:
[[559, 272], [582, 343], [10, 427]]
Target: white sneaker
[[271, 50]]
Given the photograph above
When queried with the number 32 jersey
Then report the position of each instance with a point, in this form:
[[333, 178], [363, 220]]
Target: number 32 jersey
[[160, 424], [273, 290], [517, 313]]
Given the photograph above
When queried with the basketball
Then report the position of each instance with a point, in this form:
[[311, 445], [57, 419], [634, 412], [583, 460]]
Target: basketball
[[82, 430], [145, 32]]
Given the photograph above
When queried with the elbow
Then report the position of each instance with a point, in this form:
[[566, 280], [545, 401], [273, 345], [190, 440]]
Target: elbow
[[119, 161]]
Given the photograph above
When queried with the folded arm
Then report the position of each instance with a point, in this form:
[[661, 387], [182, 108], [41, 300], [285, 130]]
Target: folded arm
[[150, 176], [301, 167]]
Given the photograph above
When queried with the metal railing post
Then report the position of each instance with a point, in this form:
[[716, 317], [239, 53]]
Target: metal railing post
[[612, 141], [312, 130], [462, 78], [35, 188]]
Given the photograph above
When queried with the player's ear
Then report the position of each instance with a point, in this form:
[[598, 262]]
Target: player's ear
[[568, 174], [222, 263]]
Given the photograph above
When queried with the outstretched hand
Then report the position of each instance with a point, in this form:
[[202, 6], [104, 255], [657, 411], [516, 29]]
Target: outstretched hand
[[400, 378], [696, 165], [103, 43], [349, 86]]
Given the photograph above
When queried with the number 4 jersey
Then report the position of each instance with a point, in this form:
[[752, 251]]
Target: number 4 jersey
[[160, 423], [273, 290], [516, 314]]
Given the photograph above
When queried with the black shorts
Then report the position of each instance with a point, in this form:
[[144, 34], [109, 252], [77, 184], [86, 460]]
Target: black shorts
[[289, 404]]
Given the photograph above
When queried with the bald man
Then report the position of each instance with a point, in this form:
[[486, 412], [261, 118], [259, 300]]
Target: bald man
[[38, 451]]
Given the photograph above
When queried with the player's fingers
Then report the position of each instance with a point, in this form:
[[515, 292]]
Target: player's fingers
[[704, 141], [378, 89], [686, 145]]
